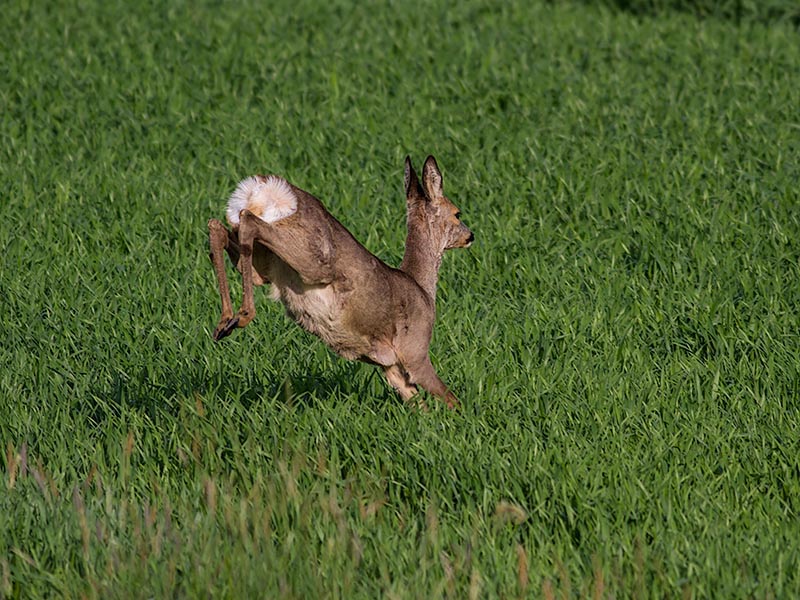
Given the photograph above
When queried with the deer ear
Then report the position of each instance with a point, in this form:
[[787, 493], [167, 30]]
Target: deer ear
[[411, 181], [432, 179]]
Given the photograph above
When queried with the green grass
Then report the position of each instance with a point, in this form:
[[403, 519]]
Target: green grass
[[764, 11], [623, 334]]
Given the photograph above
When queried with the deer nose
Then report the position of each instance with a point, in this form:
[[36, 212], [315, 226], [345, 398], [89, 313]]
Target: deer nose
[[471, 238]]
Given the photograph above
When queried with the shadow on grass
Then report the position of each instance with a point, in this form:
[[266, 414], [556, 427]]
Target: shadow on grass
[[296, 388]]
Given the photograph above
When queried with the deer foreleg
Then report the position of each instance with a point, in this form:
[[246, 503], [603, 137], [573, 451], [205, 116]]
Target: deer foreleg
[[398, 379], [422, 373]]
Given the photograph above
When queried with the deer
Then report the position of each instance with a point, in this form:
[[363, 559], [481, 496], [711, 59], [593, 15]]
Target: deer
[[331, 285]]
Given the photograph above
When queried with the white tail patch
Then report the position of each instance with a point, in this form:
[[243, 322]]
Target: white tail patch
[[270, 199]]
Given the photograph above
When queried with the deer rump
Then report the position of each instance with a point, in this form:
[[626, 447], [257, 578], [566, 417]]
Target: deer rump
[[334, 287]]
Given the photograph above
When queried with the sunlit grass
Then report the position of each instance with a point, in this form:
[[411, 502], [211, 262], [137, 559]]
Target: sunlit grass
[[623, 334]]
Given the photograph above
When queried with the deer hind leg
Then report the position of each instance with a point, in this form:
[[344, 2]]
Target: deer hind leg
[[422, 373], [307, 250], [219, 239]]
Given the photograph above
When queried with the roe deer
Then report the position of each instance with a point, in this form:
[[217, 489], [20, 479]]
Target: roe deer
[[334, 287]]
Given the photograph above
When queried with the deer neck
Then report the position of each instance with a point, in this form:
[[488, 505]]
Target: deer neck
[[422, 259]]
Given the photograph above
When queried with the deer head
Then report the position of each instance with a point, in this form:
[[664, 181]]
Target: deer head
[[434, 225]]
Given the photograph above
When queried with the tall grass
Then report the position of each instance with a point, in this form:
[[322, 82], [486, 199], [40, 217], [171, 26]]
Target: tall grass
[[623, 334], [740, 11]]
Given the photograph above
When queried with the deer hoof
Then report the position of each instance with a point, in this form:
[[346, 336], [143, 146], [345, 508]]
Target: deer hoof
[[451, 401], [225, 330]]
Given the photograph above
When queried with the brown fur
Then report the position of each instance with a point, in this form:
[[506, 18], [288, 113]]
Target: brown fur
[[336, 289]]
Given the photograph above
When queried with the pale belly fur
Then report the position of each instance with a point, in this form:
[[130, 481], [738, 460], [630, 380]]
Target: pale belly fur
[[319, 310]]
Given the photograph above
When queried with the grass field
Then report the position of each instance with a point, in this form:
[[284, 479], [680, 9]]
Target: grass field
[[623, 335]]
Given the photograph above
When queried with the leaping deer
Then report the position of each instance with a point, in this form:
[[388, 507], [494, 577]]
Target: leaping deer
[[331, 285]]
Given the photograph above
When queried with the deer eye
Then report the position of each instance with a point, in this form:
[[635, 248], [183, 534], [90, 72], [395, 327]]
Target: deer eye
[[458, 215]]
